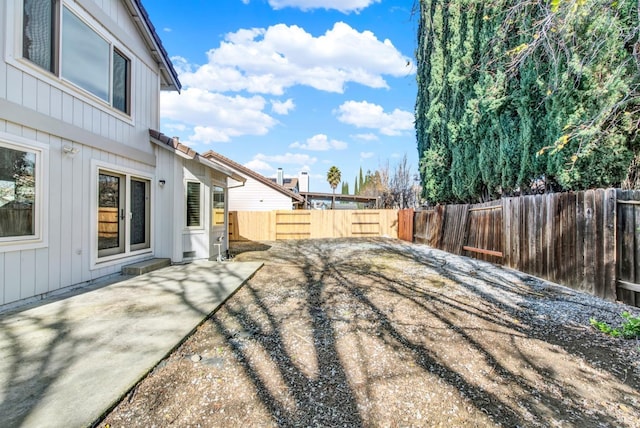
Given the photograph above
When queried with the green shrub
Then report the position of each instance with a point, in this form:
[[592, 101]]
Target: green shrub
[[630, 328]]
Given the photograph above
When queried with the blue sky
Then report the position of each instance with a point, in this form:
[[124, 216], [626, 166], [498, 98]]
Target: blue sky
[[295, 84]]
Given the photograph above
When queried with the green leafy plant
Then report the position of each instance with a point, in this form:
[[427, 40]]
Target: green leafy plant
[[630, 328]]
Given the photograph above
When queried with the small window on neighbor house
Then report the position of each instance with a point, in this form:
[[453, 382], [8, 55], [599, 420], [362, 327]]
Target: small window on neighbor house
[[17, 193], [194, 204]]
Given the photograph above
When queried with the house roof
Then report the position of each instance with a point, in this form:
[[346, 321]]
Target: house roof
[[287, 183], [187, 152], [141, 18], [258, 177]]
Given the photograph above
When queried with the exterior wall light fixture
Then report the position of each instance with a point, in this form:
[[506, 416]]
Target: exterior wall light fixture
[[68, 150]]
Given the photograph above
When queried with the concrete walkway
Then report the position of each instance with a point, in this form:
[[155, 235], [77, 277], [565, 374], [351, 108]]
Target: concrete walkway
[[64, 363]]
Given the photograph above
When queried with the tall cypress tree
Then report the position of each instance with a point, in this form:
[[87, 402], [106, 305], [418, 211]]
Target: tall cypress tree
[[511, 93]]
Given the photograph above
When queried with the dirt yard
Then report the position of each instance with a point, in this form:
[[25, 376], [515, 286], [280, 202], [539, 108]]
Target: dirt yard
[[380, 333]]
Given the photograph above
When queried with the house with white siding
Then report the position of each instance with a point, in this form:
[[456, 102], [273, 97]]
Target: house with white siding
[[258, 193], [87, 185]]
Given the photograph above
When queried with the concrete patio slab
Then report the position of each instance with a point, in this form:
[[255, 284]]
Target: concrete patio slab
[[66, 362]]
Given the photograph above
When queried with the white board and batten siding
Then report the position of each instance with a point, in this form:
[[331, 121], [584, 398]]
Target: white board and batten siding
[[256, 196], [40, 110]]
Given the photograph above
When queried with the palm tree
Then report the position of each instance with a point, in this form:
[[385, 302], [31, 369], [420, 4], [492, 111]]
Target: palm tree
[[333, 177]]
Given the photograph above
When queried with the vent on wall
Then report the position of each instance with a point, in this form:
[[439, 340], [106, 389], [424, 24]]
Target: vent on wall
[[188, 254]]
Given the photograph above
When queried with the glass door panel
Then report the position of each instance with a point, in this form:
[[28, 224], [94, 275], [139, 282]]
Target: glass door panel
[[110, 214], [139, 214]]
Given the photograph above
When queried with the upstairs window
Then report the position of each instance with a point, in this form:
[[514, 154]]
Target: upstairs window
[[67, 46], [39, 32], [85, 56]]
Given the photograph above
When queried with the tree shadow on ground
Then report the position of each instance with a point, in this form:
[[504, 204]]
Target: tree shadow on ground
[[346, 298], [29, 372]]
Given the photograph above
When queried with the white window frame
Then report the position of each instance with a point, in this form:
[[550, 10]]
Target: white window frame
[[13, 56], [202, 224], [128, 173], [40, 238]]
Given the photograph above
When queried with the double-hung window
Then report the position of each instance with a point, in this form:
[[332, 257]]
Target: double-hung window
[[60, 41]]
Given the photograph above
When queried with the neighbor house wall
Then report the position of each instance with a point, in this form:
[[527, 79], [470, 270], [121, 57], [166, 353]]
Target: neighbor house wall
[[256, 196]]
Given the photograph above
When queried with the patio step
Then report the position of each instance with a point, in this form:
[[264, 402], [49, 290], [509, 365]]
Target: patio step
[[145, 266]]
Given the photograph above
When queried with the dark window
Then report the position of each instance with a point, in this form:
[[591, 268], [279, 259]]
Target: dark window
[[39, 32], [120, 82]]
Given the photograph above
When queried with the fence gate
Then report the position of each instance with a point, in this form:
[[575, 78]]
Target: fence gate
[[628, 246]]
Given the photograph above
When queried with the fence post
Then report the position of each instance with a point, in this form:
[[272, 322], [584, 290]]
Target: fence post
[[609, 241]]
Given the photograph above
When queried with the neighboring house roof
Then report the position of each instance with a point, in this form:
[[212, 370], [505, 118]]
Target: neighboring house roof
[[288, 183], [188, 153], [148, 31], [258, 177]]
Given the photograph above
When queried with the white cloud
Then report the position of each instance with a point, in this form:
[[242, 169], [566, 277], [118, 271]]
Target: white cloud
[[320, 142], [282, 107], [367, 115], [259, 165], [180, 127], [365, 137], [288, 158], [366, 155], [216, 117], [344, 6], [264, 163], [260, 60], [167, 30]]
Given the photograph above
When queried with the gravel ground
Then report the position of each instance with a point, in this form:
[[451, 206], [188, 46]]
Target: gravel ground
[[380, 333]]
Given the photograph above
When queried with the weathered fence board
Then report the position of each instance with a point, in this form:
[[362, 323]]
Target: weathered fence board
[[569, 238], [628, 248], [454, 225], [483, 234]]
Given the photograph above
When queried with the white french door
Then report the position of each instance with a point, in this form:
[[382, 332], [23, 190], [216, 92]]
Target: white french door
[[123, 213]]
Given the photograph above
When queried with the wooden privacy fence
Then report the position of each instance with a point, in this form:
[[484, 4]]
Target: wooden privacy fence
[[311, 224], [628, 246], [585, 240]]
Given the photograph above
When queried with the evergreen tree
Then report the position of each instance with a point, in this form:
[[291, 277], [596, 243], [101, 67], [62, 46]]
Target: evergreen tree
[[512, 93]]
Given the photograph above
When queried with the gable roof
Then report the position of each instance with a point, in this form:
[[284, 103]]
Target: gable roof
[[141, 18], [287, 183], [187, 152], [258, 177]]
